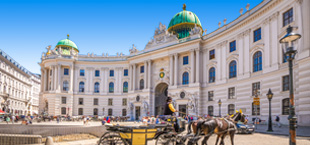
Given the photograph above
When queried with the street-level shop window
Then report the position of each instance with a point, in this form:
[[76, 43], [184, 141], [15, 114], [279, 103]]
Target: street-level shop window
[[124, 112], [231, 109], [110, 112], [80, 111], [95, 111], [63, 110], [210, 110], [285, 106]]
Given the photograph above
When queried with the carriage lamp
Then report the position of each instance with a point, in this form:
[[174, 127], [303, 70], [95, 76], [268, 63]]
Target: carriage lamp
[[220, 104], [269, 96], [290, 53]]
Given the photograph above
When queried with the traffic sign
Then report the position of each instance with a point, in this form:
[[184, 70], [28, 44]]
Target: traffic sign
[[256, 99], [256, 103]]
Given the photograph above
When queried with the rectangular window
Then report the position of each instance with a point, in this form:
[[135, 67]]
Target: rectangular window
[[255, 87], [124, 112], [142, 69], [97, 73], [210, 110], [81, 101], [285, 106], [111, 73], [210, 96], [231, 93], [124, 101], [285, 83], [212, 54], [80, 111], [185, 60], [125, 72], [63, 110], [95, 101], [257, 35], [255, 109], [63, 100], [82, 72], [110, 102], [232, 46], [288, 17], [66, 71]]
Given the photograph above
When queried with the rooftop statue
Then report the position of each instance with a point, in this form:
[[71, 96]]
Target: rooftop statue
[[133, 49]]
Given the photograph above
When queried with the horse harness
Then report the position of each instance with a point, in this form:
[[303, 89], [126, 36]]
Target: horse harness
[[227, 130]]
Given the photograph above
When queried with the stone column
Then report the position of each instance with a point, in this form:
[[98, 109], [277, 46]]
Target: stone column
[[149, 80], [120, 79], [145, 74], [192, 74], [222, 53], [71, 78], [305, 4], [45, 80], [197, 65], [130, 76], [116, 85], [106, 84], [134, 77], [171, 70], [102, 84], [176, 64], [55, 77], [52, 77], [59, 78]]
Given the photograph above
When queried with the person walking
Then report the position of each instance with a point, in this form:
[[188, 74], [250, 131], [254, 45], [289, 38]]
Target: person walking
[[8, 119], [13, 119], [278, 121]]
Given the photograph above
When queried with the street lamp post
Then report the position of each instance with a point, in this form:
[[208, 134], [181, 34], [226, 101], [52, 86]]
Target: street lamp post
[[290, 53], [220, 104], [269, 96]]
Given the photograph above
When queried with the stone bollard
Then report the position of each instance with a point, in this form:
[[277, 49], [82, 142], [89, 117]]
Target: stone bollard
[[49, 141]]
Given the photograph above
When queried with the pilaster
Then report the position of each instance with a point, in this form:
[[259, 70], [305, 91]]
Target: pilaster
[[192, 73]]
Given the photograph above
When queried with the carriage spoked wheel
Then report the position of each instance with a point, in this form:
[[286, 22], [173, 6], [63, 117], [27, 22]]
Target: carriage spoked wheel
[[110, 138], [166, 139]]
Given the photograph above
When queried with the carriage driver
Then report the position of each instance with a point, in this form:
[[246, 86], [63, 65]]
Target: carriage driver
[[169, 109]]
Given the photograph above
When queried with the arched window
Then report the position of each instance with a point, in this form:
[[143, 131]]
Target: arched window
[[255, 109], [124, 112], [285, 106], [185, 78], [96, 88], [63, 110], [110, 112], [95, 111], [111, 87], [257, 61], [80, 111], [81, 87], [231, 109], [65, 86], [232, 69], [212, 75], [210, 110], [125, 87], [141, 84]]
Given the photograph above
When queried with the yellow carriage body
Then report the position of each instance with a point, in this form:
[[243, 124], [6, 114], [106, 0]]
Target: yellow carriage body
[[139, 136]]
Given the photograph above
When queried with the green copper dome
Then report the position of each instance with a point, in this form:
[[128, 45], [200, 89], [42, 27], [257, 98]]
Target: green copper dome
[[183, 22], [67, 42]]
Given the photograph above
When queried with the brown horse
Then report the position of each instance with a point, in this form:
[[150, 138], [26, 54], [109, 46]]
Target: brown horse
[[220, 126]]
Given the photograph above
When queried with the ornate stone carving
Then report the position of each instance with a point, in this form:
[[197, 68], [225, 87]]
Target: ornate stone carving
[[195, 30], [133, 49], [161, 35], [247, 6], [241, 11]]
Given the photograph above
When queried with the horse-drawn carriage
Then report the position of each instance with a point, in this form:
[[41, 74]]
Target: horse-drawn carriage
[[165, 134], [171, 133]]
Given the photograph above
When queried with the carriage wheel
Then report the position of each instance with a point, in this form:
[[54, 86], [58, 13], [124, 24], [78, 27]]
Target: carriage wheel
[[165, 139], [111, 139]]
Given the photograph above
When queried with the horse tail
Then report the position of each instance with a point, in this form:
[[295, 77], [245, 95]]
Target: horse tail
[[189, 128]]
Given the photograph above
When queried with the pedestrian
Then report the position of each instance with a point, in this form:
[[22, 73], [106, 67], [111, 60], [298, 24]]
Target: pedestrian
[[278, 121], [8, 119], [13, 119], [157, 120], [84, 120]]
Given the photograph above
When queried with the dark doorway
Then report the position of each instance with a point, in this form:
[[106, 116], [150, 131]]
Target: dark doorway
[[137, 112], [182, 110], [161, 92]]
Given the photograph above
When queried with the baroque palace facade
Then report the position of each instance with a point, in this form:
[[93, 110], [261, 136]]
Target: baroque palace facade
[[194, 68], [19, 88]]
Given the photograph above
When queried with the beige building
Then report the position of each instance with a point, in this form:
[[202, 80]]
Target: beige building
[[194, 68], [19, 88]]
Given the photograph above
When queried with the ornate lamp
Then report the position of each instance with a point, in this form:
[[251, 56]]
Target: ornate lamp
[[290, 52], [269, 96]]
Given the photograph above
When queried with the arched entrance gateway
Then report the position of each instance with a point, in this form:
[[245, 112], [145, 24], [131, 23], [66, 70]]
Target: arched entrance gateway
[[161, 93]]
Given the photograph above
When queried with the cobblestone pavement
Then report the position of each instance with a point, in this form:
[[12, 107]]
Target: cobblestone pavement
[[240, 139]]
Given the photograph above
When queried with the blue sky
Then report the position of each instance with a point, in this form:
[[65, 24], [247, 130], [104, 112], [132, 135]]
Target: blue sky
[[97, 26]]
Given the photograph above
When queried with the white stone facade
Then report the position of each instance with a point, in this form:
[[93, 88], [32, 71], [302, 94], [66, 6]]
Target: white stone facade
[[164, 54], [19, 88]]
